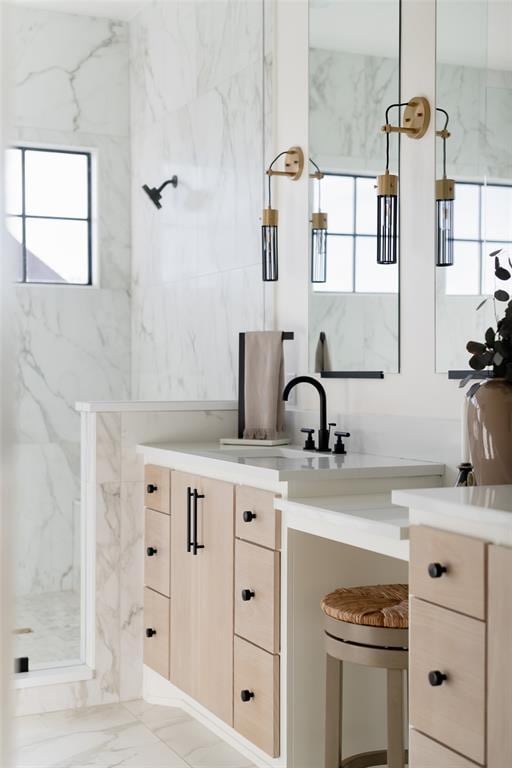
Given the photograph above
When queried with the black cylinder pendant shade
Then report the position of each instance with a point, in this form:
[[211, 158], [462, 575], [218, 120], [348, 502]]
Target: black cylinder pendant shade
[[319, 248], [387, 219], [269, 246]]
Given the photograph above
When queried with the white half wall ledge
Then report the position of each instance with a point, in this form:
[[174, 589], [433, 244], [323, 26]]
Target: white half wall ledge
[[141, 406]]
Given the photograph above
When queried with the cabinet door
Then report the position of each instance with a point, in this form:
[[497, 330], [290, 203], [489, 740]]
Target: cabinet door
[[202, 614], [499, 681]]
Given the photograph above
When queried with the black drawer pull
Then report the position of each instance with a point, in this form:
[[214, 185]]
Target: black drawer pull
[[195, 546], [436, 678], [247, 594], [248, 516], [150, 488], [246, 695], [150, 632], [436, 570], [151, 551], [189, 519]]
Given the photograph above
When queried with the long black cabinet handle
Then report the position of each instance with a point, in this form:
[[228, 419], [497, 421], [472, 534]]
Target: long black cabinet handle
[[195, 545], [189, 519]]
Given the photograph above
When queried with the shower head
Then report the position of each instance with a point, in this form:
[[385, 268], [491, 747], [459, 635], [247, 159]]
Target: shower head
[[155, 193]]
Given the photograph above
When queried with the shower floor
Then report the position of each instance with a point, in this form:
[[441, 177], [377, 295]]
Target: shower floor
[[54, 618]]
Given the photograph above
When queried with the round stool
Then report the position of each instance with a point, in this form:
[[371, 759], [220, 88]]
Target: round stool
[[368, 626]]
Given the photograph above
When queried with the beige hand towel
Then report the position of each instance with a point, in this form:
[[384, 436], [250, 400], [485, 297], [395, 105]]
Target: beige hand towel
[[264, 384], [322, 359]]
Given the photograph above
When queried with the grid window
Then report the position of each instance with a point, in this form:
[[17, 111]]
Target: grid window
[[48, 202], [482, 224], [351, 206]]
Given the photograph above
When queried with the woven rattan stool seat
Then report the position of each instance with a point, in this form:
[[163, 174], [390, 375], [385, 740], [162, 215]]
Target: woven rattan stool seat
[[384, 605]]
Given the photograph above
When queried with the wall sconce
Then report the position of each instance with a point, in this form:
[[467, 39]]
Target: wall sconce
[[445, 196], [294, 165], [155, 194], [318, 234], [416, 120]]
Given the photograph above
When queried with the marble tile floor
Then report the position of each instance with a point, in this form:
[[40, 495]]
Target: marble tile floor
[[130, 735], [54, 618]]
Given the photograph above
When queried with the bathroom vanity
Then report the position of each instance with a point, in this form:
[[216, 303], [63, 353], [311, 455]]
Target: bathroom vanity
[[460, 626], [241, 544]]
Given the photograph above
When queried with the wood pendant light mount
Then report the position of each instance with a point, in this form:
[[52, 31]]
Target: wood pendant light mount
[[416, 119]]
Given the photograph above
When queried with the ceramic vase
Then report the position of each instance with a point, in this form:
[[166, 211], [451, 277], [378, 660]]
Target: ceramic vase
[[490, 432]]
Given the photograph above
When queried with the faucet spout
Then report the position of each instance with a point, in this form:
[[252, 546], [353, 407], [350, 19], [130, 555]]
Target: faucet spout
[[323, 432]]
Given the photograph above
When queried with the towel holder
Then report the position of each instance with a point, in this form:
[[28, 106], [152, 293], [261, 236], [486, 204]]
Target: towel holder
[[287, 336]]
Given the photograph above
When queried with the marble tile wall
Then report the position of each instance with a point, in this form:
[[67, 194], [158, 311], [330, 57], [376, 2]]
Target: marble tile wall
[[69, 88], [197, 111], [114, 500]]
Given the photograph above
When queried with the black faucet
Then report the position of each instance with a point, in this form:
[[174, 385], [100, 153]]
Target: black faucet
[[323, 432]]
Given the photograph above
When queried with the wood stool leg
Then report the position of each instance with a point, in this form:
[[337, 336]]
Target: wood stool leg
[[333, 711], [395, 695]]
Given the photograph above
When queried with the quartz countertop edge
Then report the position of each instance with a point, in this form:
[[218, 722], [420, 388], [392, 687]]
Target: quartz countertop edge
[[481, 511], [135, 406], [373, 513]]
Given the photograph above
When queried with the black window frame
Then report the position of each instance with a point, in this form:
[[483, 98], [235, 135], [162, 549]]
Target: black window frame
[[23, 216], [355, 235], [481, 241]]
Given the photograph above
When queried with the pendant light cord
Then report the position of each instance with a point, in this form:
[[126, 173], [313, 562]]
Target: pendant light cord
[[391, 106], [276, 158], [444, 137], [319, 185]]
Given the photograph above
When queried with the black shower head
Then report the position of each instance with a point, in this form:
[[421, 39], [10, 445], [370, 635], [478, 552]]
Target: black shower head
[[155, 194]]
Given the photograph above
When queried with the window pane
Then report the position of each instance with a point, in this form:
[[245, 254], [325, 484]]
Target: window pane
[[489, 282], [463, 278], [366, 207], [370, 276], [57, 251], [497, 213], [337, 193], [13, 185], [339, 265], [56, 184], [466, 211], [15, 247]]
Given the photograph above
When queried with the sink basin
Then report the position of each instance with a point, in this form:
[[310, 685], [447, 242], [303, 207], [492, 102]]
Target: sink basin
[[273, 452]]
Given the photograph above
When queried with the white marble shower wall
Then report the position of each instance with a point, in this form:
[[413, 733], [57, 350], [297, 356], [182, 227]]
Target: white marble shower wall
[[196, 105], [69, 89]]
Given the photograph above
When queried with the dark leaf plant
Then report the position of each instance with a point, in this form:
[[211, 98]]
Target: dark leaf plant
[[496, 351]]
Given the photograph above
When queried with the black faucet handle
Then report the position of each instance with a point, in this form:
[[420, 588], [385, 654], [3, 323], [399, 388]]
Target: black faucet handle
[[309, 445], [339, 446]]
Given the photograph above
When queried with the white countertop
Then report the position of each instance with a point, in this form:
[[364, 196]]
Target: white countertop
[[481, 511], [119, 406], [279, 464], [368, 521]]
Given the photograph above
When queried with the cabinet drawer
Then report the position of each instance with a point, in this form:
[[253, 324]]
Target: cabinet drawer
[[257, 615], [156, 618], [256, 715], [452, 712], [157, 488], [256, 518], [462, 586], [157, 552], [425, 753]]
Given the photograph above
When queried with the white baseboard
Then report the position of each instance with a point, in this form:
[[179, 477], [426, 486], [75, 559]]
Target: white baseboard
[[158, 690]]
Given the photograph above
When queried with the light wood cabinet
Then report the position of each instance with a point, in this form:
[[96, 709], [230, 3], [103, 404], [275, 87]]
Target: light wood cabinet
[[256, 518], [156, 632], [430, 754], [202, 565], [499, 634], [257, 591], [256, 703], [448, 645], [157, 488], [157, 551], [449, 570]]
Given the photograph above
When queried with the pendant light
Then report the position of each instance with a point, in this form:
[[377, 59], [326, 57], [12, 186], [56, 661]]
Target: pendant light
[[445, 196], [415, 124], [294, 165], [318, 234]]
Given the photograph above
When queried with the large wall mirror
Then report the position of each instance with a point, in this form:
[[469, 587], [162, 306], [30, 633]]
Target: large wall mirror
[[354, 75], [474, 88]]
